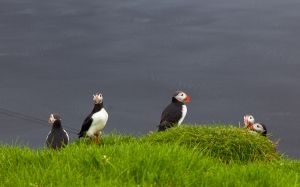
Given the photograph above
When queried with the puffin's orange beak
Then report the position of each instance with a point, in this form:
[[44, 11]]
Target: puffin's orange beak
[[250, 127], [187, 99]]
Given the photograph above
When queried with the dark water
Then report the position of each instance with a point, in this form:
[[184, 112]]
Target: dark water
[[233, 57]]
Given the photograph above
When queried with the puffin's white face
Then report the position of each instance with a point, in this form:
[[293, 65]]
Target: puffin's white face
[[258, 128], [51, 119], [182, 97], [248, 120], [98, 98]]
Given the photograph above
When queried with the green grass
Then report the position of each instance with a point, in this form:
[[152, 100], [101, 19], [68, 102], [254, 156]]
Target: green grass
[[222, 142], [183, 156]]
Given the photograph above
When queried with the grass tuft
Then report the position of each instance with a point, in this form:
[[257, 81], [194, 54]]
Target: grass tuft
[[228, 144]]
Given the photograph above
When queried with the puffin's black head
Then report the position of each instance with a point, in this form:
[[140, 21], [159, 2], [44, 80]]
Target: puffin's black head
[[53, 119], [260, 128], [248, 121], [98, 98], [181, 97]]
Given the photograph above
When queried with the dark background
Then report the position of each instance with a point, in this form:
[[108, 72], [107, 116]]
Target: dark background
[[232, 56]]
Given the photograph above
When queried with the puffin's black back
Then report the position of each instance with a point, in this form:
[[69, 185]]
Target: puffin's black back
[[265, 128], [171, 115], [58, 137], [88, 120]]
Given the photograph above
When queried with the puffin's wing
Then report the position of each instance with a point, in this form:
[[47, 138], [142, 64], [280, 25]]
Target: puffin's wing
[[265, 129], [48, 135], [171, 114], [85, 126], [67, 135], [164, 125], [49, 139]]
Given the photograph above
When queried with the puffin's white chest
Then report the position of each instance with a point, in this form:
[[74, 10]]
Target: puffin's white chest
[[99, 121], [183, 111]]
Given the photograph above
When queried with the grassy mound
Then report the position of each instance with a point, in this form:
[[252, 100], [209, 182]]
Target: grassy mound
[[135, 163], [130, 161], [171, 158], [225, 143]]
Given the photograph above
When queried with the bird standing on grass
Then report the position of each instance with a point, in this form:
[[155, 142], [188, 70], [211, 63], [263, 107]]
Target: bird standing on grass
[[175, 112], [95, 121], [57, 137], [260, 128]]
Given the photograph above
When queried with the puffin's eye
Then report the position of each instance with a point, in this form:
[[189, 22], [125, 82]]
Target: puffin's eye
[[182, 94]]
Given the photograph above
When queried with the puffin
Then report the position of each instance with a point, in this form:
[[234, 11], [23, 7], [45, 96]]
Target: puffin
[[260, 128], [248, 120], [95, 121], [175, 112], [58, 136]]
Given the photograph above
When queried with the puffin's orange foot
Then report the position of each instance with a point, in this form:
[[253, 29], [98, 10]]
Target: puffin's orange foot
[[97, 139]]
